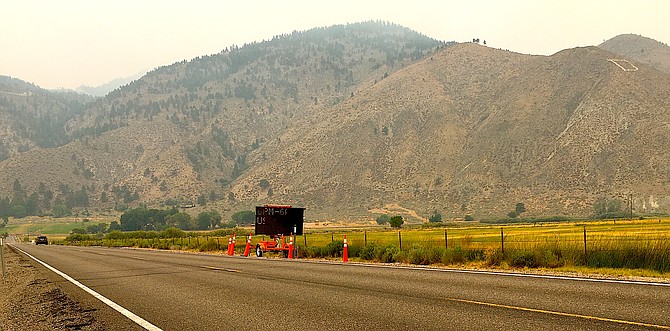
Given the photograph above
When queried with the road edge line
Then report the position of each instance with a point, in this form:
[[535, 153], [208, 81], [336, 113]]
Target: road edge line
[[513, 274], [125, 312]]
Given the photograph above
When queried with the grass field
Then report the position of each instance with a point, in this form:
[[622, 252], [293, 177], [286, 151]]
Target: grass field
[[490, 236], [45, 228], [638, 244]]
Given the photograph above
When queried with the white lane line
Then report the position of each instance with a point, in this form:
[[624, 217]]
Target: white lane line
[[509, 274], [125, 312]]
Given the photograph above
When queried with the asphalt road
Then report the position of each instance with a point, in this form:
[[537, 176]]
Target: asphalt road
[[179, 291]]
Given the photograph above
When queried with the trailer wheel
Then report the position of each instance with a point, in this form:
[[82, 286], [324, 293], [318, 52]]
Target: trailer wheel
[[286, 254], [259, 251]]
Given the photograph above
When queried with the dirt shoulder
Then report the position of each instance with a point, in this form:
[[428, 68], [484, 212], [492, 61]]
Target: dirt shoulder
[[29, 300]]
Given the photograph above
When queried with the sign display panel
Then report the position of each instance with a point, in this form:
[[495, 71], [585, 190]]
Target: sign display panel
[[279, 220]]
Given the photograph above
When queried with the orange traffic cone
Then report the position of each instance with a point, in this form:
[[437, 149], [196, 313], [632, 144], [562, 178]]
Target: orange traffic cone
[[246, 249], [345, 252], [290, 248], [230, 245]]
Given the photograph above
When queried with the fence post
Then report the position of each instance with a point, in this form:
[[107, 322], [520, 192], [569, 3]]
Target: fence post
[[332, 237], [502, 241], [365, 237], [446, 239], [400, 240], [586, 258], [304, 236], [2, 257]]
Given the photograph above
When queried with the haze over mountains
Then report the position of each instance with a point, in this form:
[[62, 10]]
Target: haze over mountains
[[104, 89], [347, 119]]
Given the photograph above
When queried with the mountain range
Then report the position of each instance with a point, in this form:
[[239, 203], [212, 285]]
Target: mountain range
[[353, 120]]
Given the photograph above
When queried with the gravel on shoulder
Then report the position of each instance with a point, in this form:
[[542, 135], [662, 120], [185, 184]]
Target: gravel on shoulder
[[29, 301]]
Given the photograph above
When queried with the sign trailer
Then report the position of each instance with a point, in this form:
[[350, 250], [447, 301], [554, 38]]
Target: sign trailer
[[277, 221]]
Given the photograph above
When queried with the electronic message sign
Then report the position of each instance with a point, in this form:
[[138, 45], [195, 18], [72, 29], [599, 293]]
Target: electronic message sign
[[279, 220]]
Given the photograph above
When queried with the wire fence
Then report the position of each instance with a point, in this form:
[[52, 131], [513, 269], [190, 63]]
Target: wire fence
[[516, 246]]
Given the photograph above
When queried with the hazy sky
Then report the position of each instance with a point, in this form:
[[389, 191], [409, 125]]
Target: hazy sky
[[69, 43]]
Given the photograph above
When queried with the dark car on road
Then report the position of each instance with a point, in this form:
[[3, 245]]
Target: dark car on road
[[41, 240]]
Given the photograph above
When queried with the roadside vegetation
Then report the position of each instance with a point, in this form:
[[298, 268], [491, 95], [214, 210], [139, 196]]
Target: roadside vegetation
[[621, 244], [638, 244]]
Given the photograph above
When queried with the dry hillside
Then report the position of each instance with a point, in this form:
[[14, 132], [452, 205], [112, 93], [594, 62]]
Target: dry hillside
[[474, 130], [183, 131]]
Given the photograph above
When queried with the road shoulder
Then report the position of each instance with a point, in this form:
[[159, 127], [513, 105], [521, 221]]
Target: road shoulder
[[35, 298]]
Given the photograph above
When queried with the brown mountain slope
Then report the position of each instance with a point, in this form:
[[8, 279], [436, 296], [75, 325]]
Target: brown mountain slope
[[641, 49], [184, 130], [118, 159], [476, 130]]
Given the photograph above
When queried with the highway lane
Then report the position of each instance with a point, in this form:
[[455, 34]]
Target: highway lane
[[177, 291]]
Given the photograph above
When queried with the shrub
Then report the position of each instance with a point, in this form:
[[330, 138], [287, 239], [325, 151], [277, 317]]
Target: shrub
[[116, 234], [387, 254], [383, 219], [493, 257], [79, 237], [354, 250], [523, 259], [78, 231], [396, 221], [311, 252], [333, 249], [368, 252], [424, 255], [457, 255], [208, 245], [225, 232], [172, 233]]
